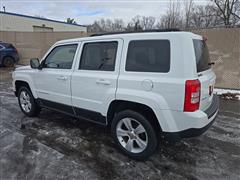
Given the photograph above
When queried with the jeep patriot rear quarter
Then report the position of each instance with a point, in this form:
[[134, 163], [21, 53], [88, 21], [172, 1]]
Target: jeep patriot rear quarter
[[141, 84]]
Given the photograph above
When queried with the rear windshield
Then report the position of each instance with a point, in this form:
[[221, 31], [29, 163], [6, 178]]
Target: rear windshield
[[202, 55]]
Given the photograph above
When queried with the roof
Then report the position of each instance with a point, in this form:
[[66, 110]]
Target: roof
[[39, 18], [138, 31], [140, 35]]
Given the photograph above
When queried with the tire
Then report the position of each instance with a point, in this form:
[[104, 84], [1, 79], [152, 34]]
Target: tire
[[8, 62], [27, 102], [139, 143]]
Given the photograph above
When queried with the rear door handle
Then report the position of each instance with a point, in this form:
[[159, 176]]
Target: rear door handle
[[103, 81], [63, 78]]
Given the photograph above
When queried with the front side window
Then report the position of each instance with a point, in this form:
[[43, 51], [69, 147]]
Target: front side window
[[148, 56], [99, 56], [61, 57]]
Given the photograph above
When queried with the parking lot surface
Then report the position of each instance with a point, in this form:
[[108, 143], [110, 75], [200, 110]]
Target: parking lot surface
[[56, 146]]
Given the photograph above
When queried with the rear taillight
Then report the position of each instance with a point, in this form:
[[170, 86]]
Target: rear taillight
[[192, 95]]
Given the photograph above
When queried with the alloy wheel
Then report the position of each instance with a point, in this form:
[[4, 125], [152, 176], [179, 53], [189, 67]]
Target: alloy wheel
[[25, 101], [132, 135]]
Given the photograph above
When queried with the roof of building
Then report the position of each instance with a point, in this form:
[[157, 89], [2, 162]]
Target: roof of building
[[39, 18]]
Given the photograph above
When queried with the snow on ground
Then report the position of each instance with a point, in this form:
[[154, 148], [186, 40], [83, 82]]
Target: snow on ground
[[228, 93]]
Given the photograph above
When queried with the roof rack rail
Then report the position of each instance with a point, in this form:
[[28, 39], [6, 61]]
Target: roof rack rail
[[137, 31]]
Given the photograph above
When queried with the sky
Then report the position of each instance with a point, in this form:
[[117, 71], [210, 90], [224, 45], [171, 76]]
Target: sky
[[86, 11]]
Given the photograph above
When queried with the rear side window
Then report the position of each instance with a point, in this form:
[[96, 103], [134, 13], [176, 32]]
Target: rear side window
[[202, 55], [99, 56], [148, 56]]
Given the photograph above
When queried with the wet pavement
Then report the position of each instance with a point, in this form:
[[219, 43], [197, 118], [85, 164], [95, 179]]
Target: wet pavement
[[56, 146]]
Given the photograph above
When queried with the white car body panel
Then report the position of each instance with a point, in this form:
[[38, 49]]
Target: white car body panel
[[163, 92], [53, 85], [94, 90]]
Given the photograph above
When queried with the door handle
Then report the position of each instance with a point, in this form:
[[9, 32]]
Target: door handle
[[103, 81], [63, 78]]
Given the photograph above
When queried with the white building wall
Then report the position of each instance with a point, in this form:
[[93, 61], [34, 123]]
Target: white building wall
[[10, 22]]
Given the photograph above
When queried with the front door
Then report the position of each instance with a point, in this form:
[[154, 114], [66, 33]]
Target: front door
[[94, 80], [54, 79]]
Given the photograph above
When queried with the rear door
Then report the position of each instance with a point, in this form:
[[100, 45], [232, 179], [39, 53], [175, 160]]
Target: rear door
[[205, 74], [94, 80]]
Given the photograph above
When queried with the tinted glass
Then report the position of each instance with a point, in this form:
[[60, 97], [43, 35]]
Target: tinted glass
[[99, 56], [148, 56], [7, 45], [202, 55], [61, 57], [10, 46]]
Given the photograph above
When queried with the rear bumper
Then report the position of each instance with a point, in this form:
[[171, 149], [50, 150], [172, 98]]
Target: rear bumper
[[211, 113]]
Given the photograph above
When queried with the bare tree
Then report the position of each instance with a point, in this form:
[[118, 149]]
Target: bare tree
[[221, 12], [188, 8], [172, 18], [118, 25], [147, 22], [205, 16], [107, 25], [95, 27], [134, 24], [141, 23], [229, 10]]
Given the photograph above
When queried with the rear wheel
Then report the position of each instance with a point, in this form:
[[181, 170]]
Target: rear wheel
[[8, 62], [27, 102], [134, 134]]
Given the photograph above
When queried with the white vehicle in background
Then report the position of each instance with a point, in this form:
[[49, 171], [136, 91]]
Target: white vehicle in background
[[141, 84]]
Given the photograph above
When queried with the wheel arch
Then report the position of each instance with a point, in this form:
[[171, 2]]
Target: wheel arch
[[120, 105], [20, 83], [8, 56]]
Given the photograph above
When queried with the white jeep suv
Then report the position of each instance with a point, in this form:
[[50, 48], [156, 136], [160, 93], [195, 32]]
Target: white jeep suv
[[141, 84]]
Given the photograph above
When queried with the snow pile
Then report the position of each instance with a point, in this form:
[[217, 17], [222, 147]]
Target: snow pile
[[228, 93]]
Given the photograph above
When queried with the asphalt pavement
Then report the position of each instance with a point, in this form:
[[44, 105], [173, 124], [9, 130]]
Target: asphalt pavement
[[56, 146]]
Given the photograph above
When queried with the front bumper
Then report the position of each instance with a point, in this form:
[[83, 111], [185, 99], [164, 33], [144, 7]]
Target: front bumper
[[211, 112]]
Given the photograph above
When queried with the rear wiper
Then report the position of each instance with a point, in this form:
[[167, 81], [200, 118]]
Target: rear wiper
[[211, 63]]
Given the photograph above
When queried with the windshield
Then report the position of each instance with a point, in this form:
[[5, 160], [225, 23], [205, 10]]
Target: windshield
[[202, 55]]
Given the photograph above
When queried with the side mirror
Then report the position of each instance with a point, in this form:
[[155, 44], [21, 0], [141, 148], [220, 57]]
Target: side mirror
[[34, 63]]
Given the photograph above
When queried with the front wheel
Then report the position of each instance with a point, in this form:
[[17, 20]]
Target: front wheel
[[27, 102], [134, 134]]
